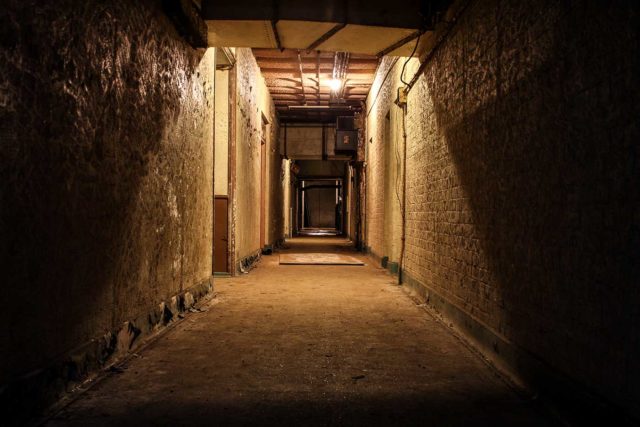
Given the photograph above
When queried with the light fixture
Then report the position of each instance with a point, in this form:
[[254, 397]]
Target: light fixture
[[335, 84]]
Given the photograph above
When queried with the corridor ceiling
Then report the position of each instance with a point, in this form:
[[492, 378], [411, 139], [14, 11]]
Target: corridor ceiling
[[372, 27], [299, 84], [302, 47]]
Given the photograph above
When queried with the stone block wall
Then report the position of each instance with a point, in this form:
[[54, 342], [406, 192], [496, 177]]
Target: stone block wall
[[522, 188], [106, 160]]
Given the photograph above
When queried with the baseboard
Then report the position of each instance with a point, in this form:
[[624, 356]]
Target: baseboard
[[248, 262], [572, 401], [383, 261]]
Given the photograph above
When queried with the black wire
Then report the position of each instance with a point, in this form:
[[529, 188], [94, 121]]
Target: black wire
[[409, 59]]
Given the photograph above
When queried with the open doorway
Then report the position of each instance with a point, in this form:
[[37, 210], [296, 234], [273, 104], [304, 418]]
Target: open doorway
[[321, 206]]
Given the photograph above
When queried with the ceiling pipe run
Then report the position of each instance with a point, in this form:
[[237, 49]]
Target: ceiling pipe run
[[320, 107], [304, 95], [340, 68]]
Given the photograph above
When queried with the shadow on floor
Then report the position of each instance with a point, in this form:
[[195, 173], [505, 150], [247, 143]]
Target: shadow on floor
[[290, 409]]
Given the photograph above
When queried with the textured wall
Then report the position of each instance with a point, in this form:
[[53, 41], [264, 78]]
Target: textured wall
[[287, 197], [522, 183], [303, 142], [106, 163], [274, 196], [378, 101], [252, 101], [221, 184], [385, 157], [322, 168]]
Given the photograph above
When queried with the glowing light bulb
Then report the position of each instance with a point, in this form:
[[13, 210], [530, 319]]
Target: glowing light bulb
[[335, 84]]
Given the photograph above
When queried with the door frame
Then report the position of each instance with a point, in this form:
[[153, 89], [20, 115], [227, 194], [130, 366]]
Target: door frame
[[227, 258]]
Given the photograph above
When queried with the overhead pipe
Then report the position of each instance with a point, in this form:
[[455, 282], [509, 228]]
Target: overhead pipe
[[304, 96], [320, 107], [340, 68]]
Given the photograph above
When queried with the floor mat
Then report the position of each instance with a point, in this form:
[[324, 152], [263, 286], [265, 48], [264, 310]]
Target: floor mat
[[319, 259]]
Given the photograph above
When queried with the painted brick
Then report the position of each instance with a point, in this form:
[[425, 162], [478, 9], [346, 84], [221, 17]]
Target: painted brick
[[522, 182]]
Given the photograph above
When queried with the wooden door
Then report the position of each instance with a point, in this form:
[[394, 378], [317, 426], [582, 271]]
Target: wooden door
[[221, 235]]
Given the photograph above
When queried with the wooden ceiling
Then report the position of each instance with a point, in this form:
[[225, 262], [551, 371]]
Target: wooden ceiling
[[298, 81]]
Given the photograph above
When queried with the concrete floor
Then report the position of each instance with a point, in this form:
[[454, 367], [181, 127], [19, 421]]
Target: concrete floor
[[305, 345]]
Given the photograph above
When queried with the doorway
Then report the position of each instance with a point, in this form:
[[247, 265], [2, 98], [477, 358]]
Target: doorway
[[221, 235], [320, 206], [223, 160]]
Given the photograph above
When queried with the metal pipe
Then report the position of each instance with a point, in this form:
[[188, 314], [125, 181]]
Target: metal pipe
[[304, 96], [318, 76], [320, 107]]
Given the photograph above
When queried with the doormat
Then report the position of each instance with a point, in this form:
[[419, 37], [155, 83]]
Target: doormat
[[318, 259]]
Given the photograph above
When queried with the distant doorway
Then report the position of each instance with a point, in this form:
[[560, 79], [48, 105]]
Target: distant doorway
[[320, 206]]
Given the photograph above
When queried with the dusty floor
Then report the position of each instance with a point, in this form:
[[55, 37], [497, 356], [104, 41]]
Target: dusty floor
[[305, 345]]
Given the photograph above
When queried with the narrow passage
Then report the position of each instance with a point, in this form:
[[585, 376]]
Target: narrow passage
[[305, 345]]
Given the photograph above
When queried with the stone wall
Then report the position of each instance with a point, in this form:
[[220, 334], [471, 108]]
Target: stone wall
[[222, 133], [252, 102], [106, 132], [522, 188]]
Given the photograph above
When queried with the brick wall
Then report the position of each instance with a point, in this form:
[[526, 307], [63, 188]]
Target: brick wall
[[379, 100], [385, 157], [522, 185]]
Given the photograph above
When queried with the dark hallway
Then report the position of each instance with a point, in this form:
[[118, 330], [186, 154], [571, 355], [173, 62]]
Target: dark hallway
[[418, 212], [305, 345]]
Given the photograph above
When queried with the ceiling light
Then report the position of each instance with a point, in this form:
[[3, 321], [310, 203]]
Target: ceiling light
[[335, 84]]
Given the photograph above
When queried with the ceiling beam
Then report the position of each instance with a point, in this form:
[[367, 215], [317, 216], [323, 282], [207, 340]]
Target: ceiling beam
[[312, 60], [399, 43], [268, 70], [326, 36], [276, 35], [399, 14]]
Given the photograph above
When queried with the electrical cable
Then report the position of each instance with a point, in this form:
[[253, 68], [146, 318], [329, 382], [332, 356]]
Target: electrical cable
[[413, 52], [398, 163], [429, 56]]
